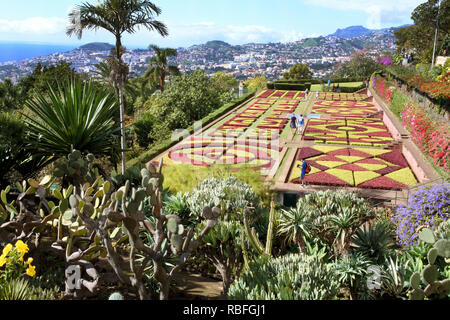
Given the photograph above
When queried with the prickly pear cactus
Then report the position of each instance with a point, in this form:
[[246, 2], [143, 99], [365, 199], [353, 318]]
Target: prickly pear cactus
[[76, 169], [430, 274]]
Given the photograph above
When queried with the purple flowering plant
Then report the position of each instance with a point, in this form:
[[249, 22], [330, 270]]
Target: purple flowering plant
[[428, 206], [387, 61]]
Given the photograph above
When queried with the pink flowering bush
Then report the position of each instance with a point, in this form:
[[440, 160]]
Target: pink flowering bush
[[431, 136]]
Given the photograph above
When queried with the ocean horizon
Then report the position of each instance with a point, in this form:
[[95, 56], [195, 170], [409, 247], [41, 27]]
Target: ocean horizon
[[10, 51]]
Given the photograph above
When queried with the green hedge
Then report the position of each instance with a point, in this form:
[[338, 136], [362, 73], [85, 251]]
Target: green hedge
[[320, 81], [168, 143], [289, 86]]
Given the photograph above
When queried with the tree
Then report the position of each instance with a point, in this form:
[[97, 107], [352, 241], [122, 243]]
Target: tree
[[159, 67], [420, 35], [256, 83], [298, 72], [225, 81], [117, 17], [360, 66], [425, 15], [189, 98]]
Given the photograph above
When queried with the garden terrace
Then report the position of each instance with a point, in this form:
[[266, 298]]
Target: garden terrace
[[347, 141]]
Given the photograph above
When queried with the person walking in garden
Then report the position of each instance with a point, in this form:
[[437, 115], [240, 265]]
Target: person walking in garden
[[305, 169], [293, 123], [337, 88], [306, 93], [301, 122], [317, 95]]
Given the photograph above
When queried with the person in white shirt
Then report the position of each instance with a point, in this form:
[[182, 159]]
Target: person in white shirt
[[301, 122]]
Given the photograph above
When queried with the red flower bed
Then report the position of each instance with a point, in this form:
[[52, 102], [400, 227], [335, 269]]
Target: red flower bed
[[435, 89], [266, 93], [431, 136]]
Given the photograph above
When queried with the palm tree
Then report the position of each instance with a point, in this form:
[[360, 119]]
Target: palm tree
[[117, 17], [159, 67]]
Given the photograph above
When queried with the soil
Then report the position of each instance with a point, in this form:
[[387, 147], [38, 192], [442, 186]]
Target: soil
[[192, 286]]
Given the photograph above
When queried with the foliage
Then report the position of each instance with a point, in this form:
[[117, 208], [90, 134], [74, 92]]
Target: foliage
[[224, 81], [21, 289], [428, 206], [114, 222], [430, 135], [229, 194], [12, 145], [187, 99], [360, 66], [377, 241], [159, 67], [76, 169], [75, 116], [351, 271], [290, 277], [144, 129], [295, 225], [335, 217], [430, 273], [223, 248], [297, 72], [256, 83]]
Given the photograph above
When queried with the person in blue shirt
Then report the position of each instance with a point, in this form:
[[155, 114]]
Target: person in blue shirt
[[303, 166]]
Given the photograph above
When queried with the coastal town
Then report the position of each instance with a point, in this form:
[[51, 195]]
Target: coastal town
[[322, 55]]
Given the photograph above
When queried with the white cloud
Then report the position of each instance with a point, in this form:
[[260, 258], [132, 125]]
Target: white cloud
[[379, 11], [36, 25], [205, 31]]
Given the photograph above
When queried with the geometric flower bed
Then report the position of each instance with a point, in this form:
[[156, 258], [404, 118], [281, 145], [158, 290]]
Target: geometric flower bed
[[353, 131], [344, 108], [341, 96], [205, 152], [278, 94], [355, 167]]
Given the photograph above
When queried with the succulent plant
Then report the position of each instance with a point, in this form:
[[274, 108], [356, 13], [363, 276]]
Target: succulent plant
[[76, 169], [430, 273]]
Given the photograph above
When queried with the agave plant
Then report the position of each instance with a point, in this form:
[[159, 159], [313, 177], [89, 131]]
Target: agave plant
[[295, 225], [351, 270], [376, 241], [75, 116]]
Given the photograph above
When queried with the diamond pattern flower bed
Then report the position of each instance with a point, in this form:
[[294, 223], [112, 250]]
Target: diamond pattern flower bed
[[352, 131], [355, 167]]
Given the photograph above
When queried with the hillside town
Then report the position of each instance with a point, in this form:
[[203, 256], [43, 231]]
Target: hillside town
[[321, 54]]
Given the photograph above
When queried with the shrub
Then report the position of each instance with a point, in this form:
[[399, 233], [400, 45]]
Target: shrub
[[229, 194], [428, 206], [375, 241], [291, 277], [143, 129]]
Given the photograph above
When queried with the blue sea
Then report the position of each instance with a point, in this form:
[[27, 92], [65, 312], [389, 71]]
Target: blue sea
[[20, 51]]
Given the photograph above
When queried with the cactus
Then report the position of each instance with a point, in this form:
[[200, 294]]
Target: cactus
[[116, 296], [75, 169], [253, 237], [430, 274]]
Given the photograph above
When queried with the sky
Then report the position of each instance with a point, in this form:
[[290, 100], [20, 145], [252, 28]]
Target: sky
[[198, 21]]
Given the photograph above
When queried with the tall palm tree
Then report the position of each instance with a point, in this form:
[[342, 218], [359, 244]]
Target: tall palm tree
[[117, 17], [159, 67]]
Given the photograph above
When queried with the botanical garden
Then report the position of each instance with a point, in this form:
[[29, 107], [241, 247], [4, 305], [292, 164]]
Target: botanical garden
[[123, 188]]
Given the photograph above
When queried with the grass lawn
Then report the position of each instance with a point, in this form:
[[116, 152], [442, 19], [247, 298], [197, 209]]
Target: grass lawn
[[318, 87]]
